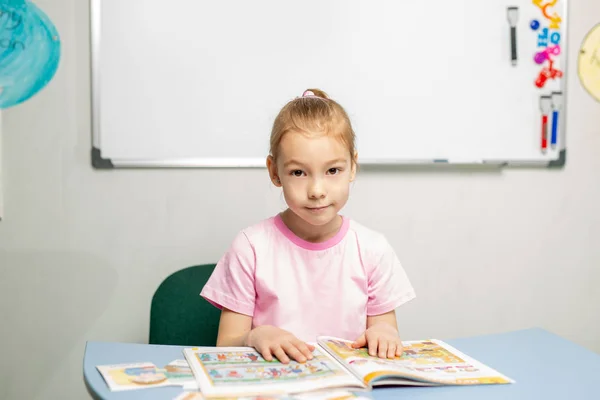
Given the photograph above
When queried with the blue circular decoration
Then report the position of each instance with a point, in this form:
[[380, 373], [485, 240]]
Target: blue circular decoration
[[29, 51], [535, 24]]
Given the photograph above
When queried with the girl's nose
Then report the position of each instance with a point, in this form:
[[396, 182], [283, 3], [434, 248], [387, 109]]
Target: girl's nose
[[316, 190]]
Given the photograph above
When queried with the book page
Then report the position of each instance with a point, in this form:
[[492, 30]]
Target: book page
[[422, 363], [178, 372], [319, 395], [133, 376], [242, 371]]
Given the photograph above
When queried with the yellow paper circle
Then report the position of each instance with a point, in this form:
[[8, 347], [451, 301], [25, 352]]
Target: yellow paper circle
[[589, 63]]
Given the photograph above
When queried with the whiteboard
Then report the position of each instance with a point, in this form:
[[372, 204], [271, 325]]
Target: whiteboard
[[195, 83]]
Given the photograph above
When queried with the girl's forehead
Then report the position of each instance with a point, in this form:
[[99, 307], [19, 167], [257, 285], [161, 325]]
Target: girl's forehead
[[312, 143], [312, 150]]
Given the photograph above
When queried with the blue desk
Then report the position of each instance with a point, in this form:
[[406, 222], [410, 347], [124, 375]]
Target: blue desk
[[543, 365]]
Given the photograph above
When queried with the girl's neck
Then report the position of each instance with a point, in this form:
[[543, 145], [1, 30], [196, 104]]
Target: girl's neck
[[308, 232]]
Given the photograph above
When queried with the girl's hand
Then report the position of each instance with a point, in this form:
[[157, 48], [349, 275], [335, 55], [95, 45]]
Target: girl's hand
[[382, 339], [270, 341]]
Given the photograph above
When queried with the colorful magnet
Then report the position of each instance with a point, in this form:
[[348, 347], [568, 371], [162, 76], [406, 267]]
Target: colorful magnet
[[544, 55], [554, 19], [543, 37], [547, 73], [535, 24]]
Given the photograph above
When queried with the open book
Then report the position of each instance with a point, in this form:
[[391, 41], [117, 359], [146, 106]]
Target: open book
[[241, 371]]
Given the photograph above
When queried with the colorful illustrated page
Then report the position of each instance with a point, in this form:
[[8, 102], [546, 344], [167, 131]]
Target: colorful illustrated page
[[243, 368], [424, 361], [179, 372], [133, 376]]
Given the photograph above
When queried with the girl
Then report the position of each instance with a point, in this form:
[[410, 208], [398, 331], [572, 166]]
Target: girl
[[309, 271]]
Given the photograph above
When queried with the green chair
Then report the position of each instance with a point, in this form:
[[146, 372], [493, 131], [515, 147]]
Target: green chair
[[178, 315]]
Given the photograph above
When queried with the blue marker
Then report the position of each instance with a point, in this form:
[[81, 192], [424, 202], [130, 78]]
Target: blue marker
[[556, 106]]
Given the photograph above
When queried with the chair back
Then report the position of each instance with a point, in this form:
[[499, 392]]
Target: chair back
[[178, 315]]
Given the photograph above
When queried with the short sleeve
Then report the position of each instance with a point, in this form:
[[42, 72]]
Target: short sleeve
[[231, 285], [388, 283]]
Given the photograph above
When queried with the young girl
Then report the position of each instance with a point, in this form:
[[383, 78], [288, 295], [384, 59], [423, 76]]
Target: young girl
[[309, 271]]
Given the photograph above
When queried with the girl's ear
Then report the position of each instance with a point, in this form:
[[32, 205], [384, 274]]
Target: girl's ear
[[273, 171], [354, 166]]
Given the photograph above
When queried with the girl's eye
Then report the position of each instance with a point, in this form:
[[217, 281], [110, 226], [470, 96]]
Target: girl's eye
[[297, 172], [333, 171]]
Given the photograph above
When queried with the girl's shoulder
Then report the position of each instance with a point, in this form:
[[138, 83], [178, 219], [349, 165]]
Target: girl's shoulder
[[372, 243], [367, 235], [259, 231], [251, 239]]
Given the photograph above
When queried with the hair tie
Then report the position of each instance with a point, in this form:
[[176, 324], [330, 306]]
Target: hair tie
[[309, 93]]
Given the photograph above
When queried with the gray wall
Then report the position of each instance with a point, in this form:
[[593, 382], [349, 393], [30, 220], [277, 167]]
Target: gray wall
[[80, 254]]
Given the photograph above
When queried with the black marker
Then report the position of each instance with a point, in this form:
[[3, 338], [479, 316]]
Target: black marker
[[513, 17]]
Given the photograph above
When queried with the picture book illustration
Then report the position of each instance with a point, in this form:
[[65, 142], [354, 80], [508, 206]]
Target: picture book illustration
[[133, 376], [424, 352], [230, 368], [146, 374], [425, 362], [179, 372], [243, 372]]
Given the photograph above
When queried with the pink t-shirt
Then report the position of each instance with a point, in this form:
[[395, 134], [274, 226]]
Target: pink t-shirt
[[309, 289]]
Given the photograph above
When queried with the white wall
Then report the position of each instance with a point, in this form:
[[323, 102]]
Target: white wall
[[1, 181], [80, 254]]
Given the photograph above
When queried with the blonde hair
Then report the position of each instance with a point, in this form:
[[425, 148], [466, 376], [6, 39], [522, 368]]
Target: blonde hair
[[313, 112]]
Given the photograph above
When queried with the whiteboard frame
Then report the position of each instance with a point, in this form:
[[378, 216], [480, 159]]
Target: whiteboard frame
[[99, 162]]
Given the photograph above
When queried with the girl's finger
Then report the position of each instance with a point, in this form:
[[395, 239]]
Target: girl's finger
[[399, 349], [383, 346], [372, 347], [265, 353], [280, 354], [293, 352], [391, 353], [360, 342], [304, 349]]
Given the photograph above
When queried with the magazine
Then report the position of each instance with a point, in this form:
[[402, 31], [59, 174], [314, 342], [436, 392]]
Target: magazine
[[241, 371]]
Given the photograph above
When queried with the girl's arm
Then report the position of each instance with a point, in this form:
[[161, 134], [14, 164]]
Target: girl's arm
[[233, 329], [388, 318], [381, 336]]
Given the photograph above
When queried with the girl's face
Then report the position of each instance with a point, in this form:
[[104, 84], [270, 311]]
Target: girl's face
[[315, 172]]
